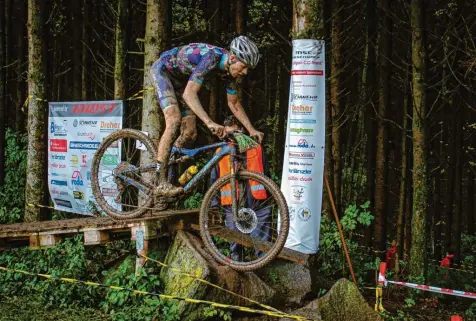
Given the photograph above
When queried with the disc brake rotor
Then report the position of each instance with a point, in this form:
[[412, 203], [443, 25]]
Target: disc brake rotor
[[247, 220]]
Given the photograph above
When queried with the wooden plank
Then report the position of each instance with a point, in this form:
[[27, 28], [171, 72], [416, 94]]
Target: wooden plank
[[149, 230], [95, 237], [246, 240]]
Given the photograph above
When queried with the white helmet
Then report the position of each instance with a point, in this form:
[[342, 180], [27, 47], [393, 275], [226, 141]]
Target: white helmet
[[245, 50]]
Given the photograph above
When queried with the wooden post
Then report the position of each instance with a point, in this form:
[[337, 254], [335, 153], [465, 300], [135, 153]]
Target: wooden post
[[144, 234]]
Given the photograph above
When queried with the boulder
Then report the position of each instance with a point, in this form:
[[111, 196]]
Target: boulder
[[343, 302], [291, 281], [188, 255]]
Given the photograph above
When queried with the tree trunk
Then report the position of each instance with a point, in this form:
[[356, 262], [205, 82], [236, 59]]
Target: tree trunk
[[240, 20], [85, 52], [120, 77], [381, 188], [3, 85], [155, 42], [335, 100], [214, 13], [456, 227], [20, 83], [450, 182], [76, 18], [470, 199], [35, 192], [420, 174]]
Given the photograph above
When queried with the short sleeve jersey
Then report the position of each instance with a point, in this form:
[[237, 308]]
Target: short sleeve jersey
[[197, 61]]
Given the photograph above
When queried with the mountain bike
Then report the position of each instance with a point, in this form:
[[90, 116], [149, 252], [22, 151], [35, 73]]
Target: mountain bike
[[246, 234]]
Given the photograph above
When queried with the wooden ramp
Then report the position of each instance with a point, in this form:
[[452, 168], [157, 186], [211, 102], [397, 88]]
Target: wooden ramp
[[100, 230]]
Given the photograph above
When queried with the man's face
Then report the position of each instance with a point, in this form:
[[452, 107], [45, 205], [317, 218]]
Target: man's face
[[238, 69]]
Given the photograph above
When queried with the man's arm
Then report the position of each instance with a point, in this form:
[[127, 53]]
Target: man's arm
[[237, 110], [190, 96]]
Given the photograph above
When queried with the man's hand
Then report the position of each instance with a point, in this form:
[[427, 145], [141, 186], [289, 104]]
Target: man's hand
[[257, 135], [216, 129]]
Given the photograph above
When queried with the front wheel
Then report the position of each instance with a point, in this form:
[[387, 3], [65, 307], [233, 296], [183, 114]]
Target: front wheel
[[261, 227]]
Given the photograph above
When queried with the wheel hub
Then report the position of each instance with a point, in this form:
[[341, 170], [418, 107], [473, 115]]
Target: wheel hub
[[247, 220]]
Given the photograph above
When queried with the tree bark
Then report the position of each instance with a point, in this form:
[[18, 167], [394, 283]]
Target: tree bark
[[155, 42], [3, 85], [85, 79], [20, 69], [240, 20], [381, 152], [77, 25], [420, 174], [450, 182], [120, 77], [470, 202], [456, 227], [35, 192]]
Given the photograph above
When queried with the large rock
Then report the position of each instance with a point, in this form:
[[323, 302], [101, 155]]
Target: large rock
[[188, 255], [343, 302], [290, 280]]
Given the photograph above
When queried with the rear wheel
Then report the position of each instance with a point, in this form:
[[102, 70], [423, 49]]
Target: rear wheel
[[260, 231], [112, 193]]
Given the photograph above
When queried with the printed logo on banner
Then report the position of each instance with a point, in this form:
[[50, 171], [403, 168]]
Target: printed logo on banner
[[108, 179], [88, 123], [109, 126], [89, 135], [300, 179], [109, 191], [300, 164], [292, 212], [58, 157], [299, 131], [59, 129], [302, 121], [95, 108], [59, 109], [298, 194], [304, 155], [300, 171], [109, 160], [84, 145], [56, 165], [56, 191], [84, 161], [77, 179], [59, 145], [304, 214], [78, 195], [302, 143], [295, 97], [58, 174], [74, 160], [302, 110], [300, 84], [59, 182], [63, 203], [314, 53]]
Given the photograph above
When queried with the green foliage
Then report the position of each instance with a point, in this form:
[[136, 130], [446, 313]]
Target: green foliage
[[194, 201], [12, 193], [216, 314]]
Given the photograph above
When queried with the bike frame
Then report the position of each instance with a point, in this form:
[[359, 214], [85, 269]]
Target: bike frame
[[226, 149]]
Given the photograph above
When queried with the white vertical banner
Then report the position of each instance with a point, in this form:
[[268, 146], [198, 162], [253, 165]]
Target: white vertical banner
[[75, 131], [303, 168]]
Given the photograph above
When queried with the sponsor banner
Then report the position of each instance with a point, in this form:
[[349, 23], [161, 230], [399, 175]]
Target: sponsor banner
[[76, 129], [303, 166]]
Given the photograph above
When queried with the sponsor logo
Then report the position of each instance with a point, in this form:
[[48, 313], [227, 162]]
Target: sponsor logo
[[109, 126], [84, 145], [303, 97], [78, 195], [298, 193], [58, 174], [89, 123], [300, 164], [63, 203], [300, 171], [58, 182], [302, 143], [292, 212], [300, 130], [56, 191], [59, 145], [301, 110], [104, 108], [302, 121], [300, 179], [74, 160], [59, 129], [84, 161], [300, 84], [306, 155], [77, 179], [108, 179], [109, 191], [88, 175], [58, 157], [109, 160], [60, 109], [89, 135], [55, 165], [304, 214]]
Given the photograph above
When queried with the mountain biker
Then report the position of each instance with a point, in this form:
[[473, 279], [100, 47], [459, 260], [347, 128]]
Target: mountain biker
[[190, 65]]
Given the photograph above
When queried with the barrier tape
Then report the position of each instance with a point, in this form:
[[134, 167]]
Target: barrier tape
[[267, 307], [40, 206], [162, 296]]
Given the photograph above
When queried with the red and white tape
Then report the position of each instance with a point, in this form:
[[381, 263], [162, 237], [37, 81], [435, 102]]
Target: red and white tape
[[383, 281]]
